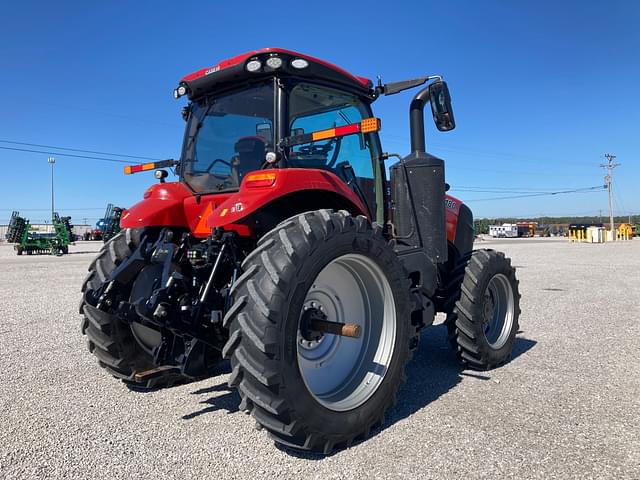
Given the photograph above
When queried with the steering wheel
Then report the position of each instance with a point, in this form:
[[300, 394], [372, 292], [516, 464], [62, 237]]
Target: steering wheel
[[316, 149], [336, 152], [218, 160]]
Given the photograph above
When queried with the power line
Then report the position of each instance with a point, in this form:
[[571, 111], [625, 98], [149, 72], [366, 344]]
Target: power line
[[578, 190], [79, 150], [474, 151], [59, 154], [491, 190], [520, 189]]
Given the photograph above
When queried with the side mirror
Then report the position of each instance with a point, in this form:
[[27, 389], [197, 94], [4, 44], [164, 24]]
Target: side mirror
[[441, 106], [263, 130]]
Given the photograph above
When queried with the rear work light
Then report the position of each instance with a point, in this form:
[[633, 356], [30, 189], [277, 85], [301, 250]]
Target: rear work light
[[299, 63], [274, 62], [253, 65], [261, 179], [180, 91]]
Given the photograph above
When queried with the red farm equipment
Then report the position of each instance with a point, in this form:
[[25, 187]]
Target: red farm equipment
[[285, 248]]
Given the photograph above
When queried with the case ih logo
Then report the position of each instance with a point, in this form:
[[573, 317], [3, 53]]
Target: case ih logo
[[212, 70]]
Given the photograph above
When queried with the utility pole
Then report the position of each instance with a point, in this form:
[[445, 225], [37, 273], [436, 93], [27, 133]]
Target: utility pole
[[51, 161], [609, 179]]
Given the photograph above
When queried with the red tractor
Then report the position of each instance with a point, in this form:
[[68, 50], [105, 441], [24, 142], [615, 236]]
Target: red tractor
[[285, 248]]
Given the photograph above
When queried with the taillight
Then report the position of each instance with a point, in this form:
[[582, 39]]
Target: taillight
[[262, 179]]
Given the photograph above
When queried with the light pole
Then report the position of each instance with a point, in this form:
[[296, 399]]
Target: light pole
[[52, 162]]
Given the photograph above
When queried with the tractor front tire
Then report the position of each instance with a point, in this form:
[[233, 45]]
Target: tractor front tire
[[322, 391], [110, 339], [483, 322]]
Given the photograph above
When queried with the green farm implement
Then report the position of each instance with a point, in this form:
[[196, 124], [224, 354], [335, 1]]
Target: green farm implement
[[31, 242]]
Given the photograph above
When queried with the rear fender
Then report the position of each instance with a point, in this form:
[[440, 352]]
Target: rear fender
[[288, 182], [162, 206], [459, 221], [174, 205], [451, 210]]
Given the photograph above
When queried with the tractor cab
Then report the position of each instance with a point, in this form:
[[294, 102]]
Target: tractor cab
[[279, 109]]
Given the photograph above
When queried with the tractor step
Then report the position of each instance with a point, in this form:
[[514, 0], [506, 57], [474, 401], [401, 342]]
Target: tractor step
[[155, 372]]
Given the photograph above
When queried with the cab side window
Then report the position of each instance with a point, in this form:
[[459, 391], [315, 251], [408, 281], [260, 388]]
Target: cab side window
[[313, 108]]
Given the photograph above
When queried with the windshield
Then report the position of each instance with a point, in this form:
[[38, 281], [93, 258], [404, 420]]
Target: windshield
[[227, 137]]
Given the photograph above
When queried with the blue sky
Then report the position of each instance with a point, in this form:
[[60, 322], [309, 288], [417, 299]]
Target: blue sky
[[541, 90]]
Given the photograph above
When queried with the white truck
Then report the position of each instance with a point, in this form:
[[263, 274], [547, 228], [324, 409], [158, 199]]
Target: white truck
[[506, 230]]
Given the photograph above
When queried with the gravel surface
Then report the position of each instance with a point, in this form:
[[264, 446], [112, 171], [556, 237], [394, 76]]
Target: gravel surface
[[566, 406]]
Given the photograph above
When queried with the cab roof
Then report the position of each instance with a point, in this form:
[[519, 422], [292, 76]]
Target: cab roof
[[234, 70]]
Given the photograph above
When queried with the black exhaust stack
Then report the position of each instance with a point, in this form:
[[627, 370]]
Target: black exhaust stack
[[416, 120], [419, 192]]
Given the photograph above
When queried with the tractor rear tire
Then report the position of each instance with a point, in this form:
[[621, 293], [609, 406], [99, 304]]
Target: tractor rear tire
[[483, 322], [19, 250], [327, 391], [110, 339]]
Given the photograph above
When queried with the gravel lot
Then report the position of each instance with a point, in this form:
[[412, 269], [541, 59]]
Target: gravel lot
[[566, 406]]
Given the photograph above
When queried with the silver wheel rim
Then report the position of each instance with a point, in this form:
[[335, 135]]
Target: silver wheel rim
[[498, 311], [342, 373]]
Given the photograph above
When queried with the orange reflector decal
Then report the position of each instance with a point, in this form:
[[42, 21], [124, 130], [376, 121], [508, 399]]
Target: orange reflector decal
[[201, 228], [323, 134], [143, 167], [262, 179], [367, 125]]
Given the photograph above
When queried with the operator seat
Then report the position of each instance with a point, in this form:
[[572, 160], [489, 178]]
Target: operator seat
[[250, 156]]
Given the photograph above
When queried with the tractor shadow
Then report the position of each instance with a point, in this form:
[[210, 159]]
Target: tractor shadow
[[433, 372], [228, 401]]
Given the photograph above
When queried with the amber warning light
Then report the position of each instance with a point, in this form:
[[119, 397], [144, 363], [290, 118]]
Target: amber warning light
[[144, 167]]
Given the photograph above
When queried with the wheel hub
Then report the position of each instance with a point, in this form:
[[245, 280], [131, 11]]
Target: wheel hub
[[314, 345], [310, 312], [489, 306]]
